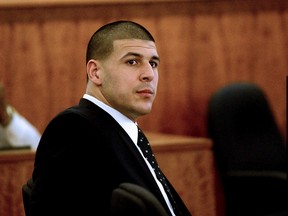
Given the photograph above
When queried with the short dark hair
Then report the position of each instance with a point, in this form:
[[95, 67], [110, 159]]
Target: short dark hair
[[100, 45]]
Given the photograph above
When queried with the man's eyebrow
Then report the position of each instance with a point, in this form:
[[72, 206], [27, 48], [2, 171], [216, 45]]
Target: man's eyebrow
[[157, 58]]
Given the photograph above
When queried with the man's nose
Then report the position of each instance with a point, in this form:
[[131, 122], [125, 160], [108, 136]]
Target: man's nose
[[147, 73]]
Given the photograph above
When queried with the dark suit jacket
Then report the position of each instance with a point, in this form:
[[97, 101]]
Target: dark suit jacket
[[82, 156]]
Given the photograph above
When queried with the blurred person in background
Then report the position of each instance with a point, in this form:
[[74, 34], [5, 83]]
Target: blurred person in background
[[15, 130]]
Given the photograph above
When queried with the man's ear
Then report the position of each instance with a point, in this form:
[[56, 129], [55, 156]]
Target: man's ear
[[92, 70]]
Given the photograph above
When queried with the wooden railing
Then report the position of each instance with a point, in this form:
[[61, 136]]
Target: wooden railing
[[187, 162], [15, 168]]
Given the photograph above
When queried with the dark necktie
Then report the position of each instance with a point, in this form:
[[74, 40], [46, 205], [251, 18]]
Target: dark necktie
[[145, 147]]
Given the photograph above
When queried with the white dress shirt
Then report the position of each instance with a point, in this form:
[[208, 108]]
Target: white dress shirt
[[18, 133]]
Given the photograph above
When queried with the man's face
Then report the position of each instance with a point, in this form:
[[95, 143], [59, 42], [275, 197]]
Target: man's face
[[130, 76]]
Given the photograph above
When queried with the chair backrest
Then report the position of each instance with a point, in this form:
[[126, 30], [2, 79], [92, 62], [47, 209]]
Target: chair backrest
[[129, 200], [243, 129], [26, 195], [249, 150]]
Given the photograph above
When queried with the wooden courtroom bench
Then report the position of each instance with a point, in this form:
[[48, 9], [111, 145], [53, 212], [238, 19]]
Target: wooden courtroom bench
[[187, 162], [15, 168]]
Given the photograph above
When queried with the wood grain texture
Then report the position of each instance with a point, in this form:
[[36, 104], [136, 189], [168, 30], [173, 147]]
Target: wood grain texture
[[203, 45], [15, 169], [188, 163]]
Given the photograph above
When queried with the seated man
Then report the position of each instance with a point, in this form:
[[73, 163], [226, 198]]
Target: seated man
[[15, 130]]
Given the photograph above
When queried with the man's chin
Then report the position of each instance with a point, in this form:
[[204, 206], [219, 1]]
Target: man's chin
[[145, 111]]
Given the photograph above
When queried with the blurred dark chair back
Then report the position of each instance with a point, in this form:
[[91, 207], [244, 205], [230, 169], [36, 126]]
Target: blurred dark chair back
[[132, 200], [249, 150], [26, 195], [127, 200]]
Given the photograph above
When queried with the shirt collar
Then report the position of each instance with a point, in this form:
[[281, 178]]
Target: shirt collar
[[127, 124]]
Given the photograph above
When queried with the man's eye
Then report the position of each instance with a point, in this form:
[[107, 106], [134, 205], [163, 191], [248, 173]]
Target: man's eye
[[154, 64], [132, 62]]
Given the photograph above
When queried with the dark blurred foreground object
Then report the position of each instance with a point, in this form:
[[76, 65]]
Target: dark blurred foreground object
[[26, 195], [249, 150], [126, 200], [132, 200]]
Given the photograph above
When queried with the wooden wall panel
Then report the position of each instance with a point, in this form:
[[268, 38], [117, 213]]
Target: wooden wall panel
[[203, 45], [15, 168]]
